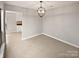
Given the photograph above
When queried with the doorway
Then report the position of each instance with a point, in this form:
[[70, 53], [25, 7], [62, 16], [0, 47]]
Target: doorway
[[13, 30]]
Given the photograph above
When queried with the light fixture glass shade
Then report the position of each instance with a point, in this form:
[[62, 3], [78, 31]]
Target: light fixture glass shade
[[41, 11]]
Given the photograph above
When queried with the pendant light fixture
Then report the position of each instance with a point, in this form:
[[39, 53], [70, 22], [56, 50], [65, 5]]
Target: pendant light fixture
[[41, 10]]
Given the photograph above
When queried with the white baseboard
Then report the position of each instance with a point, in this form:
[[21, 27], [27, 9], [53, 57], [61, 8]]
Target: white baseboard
[[30, 37], [61, 40], [52, 37]]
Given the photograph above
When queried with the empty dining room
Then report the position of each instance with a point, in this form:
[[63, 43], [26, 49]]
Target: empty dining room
[[39, 29]]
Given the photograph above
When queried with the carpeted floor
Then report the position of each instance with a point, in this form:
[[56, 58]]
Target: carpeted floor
[[38, 47]]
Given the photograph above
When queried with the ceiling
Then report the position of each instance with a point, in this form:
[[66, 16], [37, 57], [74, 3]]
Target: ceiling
[[36, 4]]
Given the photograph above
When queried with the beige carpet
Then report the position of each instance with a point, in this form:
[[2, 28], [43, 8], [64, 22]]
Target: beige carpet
[[38, 47]]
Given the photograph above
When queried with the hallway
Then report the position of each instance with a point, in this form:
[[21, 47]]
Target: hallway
[[39, 46]]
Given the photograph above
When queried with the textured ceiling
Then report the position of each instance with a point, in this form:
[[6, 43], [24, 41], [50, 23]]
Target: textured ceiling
[[36, 4]]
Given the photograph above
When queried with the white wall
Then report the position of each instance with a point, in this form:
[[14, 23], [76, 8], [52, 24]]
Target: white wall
[[31, 24], [11, 22], [63, 23], [1, 5], [60, 22], [15, 8], [19, 17]]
